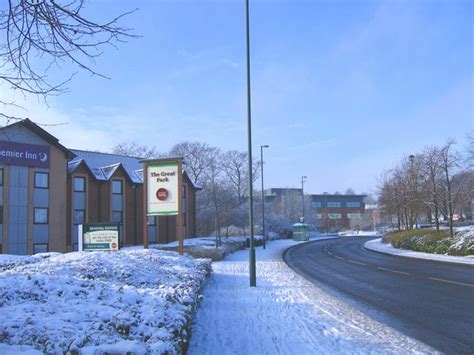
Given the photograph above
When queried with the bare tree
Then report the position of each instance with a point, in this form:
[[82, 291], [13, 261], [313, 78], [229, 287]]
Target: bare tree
[[235, 166], [132, 149], [38, 34], [470, 149], [450, 165], [432, 171], [199, 158], [349, 191]]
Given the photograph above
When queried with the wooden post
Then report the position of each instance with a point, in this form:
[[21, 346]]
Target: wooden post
[[180, 207], [145, 206]]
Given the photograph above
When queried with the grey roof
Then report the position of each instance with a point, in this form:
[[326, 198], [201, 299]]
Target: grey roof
[[104, 165]]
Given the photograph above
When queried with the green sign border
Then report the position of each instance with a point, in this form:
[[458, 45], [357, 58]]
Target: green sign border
[[156, 213], [100, 246]]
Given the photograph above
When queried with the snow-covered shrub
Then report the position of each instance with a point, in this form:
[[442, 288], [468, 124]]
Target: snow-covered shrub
[[431, 241], [141, 300]]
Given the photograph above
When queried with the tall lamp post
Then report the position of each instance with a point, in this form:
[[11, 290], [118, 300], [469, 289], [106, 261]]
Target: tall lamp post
[[263, 195], [252, 261], [303, 179]]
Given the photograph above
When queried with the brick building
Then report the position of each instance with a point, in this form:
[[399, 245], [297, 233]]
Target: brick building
[[47, 190], [335, 212]]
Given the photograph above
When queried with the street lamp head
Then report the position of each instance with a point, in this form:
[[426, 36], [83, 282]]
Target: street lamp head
[[265, 146]]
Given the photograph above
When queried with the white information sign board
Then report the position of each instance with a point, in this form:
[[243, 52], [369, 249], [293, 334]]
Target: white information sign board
[[162, 189]]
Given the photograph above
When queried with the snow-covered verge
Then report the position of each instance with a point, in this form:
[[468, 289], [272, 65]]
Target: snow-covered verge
[[284, 314], [430, 241], [359, 233], [212, 248], [378, 246], [140, 301]]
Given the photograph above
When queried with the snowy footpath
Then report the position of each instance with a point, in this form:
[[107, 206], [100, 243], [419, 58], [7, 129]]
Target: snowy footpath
[[284, 314]]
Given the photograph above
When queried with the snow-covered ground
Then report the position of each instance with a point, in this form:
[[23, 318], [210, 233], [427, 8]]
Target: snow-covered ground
[[378, 246], [284, 314], [138, 301]]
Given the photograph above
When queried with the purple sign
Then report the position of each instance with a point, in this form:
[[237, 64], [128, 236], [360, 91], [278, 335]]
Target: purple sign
[[37, 156]]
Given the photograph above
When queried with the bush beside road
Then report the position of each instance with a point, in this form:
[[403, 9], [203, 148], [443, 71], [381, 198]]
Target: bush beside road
[[432, 241]]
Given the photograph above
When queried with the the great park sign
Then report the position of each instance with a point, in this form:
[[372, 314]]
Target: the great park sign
[[163, 181], [162, 186]]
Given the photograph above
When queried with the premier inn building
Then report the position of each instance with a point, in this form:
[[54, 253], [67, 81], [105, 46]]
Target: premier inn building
[[48, 190]]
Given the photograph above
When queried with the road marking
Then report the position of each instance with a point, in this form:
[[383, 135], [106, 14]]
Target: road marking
[[398, 272], [451, 282], [339, 257], [330, 253], [356, 262]]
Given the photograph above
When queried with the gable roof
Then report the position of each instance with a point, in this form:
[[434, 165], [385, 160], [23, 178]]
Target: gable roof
[[103, 165], [49, 138]]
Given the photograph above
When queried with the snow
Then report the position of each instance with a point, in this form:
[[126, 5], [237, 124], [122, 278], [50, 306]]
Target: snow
[[135, 300], [377, 245], [284, 314]]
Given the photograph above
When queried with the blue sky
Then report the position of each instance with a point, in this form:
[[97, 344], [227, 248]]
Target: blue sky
[[341, 90]]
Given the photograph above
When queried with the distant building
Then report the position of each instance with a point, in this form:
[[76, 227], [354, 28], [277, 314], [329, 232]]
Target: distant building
[[285, 202], [335, 212], [47, 190]]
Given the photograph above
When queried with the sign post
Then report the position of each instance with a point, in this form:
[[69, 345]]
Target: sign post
[[162, 193]]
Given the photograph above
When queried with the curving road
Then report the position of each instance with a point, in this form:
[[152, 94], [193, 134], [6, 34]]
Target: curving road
[[430, 301]]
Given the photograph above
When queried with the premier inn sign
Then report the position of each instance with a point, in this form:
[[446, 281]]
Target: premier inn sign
[[23, 154]]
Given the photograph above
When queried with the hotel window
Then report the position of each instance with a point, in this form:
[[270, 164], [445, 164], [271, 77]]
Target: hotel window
[[319, 216], [316, 204], [40, 248], [117, 201], [353, 204], [78, 217], [1, 176], [117, 187], [79, 184], [353, 215], [151, 221], [334, 215], [41, 180], [41, 215], [79, 212], [334, 204]]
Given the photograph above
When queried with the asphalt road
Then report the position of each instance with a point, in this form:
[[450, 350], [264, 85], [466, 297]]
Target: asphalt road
[[430, 301]]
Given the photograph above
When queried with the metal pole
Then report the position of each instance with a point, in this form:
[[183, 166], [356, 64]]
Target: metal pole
[[180, 207], [302, 194], [263, 196], [145, 206], [252, 263]]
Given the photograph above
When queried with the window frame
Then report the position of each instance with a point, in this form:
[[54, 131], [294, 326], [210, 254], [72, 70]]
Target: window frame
[[74, 219], [121, 187], [83, 178], [47, 247], [121, 217], [152, 219], [1, 176], [349, 203], [47, 215], [47, 180]]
